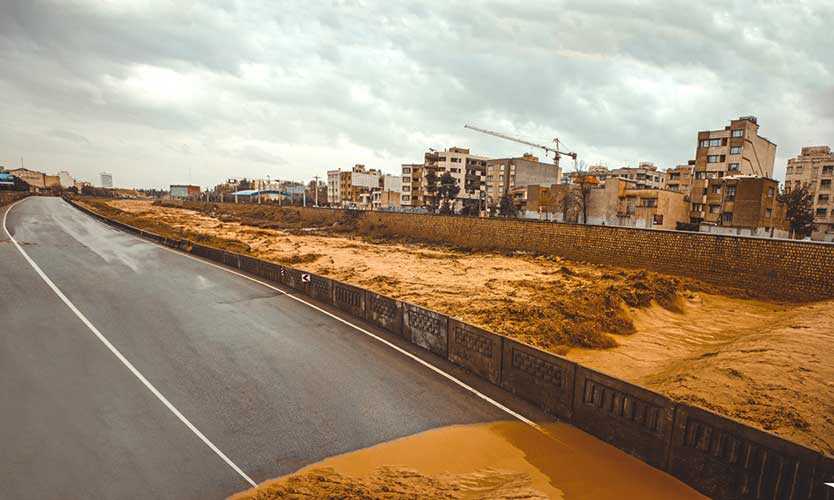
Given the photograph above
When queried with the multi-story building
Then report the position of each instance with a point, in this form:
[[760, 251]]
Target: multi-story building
[[106, 179], [333, 183], [468, 171], [644, 176], [412, 185], [504, 175], [352, 187], [679, 178], [737, 149], [814, 169], [744, 205]]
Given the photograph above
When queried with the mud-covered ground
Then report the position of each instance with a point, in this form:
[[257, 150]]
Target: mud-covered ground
[[499, 460], [761, 362]]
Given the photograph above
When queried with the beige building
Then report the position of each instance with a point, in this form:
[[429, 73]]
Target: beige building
[[468, 170], [745, 205], [35, 179], [352, 187], [616, 202], [679, 178], [644, 176], [504, 175], [737, 149], [814, 169]]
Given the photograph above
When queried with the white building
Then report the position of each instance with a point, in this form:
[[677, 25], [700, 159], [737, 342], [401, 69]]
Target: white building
[[333, 182], [106, 179], [65, 179]]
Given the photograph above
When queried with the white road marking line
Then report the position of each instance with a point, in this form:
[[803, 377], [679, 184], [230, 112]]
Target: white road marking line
[[359, 328], [121, 357]]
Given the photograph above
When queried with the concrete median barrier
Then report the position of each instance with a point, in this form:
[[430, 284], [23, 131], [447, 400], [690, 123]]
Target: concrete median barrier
[[292, 278], [427, 329], [544, 379], [475, 349], [250, 265], [726, 459], [630, 417], [231, 259], [384, 311]]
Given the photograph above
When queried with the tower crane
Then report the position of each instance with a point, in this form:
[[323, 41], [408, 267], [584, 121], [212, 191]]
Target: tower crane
[[547, 149]]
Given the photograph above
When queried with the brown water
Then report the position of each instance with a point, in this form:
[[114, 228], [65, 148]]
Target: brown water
[[496, 460]]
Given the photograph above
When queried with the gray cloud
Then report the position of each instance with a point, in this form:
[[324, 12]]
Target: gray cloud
[[247, 88]]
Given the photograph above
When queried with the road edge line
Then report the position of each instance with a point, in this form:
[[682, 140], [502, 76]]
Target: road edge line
[[119, 355]]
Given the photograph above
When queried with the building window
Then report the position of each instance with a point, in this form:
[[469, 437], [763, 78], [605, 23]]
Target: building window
[[406, 170], [735, 150], [714, 209], [715, 158], [697, 207], [733, 167], [716, 189], [457, 160], [822, 212], [700, 175], [770, 192], [825, 184], [727, 218], [649, 202], [823, 199], [731, 193], [710, 143], [827, 169], [738, 132], [769, 213]]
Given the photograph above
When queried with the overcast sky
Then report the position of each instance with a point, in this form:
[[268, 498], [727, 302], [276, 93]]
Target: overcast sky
[[161, 92]]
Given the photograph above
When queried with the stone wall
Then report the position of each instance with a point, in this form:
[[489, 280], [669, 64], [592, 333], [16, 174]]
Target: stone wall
[[781, 269], [8, 197]]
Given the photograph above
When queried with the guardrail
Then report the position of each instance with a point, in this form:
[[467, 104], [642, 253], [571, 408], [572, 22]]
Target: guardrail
[[717, 456]]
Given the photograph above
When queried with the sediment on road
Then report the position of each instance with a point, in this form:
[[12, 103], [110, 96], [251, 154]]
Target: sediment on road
[[758, 361], [501, 460]]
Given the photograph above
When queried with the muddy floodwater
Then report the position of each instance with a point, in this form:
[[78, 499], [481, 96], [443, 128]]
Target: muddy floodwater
[[495, 460]]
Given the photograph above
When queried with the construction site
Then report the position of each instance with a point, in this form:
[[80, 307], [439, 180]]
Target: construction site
[[726, 349]]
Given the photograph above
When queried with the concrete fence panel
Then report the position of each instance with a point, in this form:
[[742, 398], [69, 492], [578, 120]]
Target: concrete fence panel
[[427, 329], [207, 252], [320, 288], [270, 272], [384, 311], [249, 264], [544, 379], [349, 299], [292, 278], [728, 460], [477, 350], [631, 418], [231, 259]]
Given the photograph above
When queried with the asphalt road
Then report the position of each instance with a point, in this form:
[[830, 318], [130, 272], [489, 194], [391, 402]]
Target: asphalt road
[[272, 382]]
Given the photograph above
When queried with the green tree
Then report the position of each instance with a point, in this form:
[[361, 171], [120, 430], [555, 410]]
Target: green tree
[[799, 210], [447, 192], [506, 207], [431, 188]]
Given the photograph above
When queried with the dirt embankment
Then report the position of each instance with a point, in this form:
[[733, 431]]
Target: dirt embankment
[[758, 361]]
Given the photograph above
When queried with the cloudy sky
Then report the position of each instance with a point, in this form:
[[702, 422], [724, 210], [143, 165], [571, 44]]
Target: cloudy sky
[[161, 92]]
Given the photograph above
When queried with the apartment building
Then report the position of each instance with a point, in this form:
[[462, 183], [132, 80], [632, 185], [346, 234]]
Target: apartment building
[[735, 150], [505, 175], [679, 178], [468, 170], [744, 205], [616, 202], [814, 169], [106, 180], [411, 194], [352, 187], [65, 179]]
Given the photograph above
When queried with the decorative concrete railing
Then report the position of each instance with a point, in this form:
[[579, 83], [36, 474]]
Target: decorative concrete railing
[[717, 456]]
